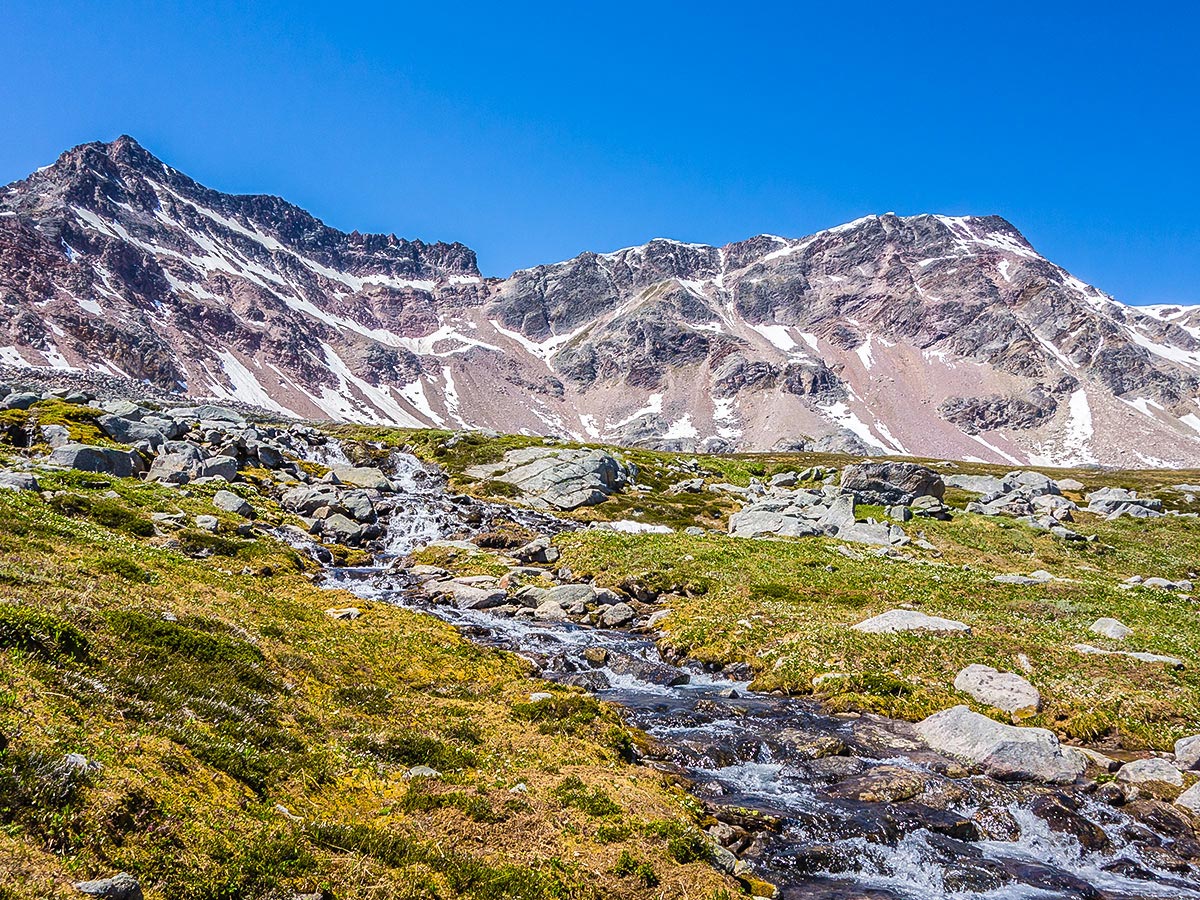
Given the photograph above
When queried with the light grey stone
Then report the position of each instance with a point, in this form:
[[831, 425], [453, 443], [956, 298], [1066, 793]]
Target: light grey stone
[[128, 431], [21, 400], [362, 476], [422, 772], [617, 615], [1169, 661], [1190, 799], [207, 413], [549, 611], [899, 620], [889, 482], [1032, 484], [341, 529], [1007, 752], [55, 435], [18, 481], [101, 460], [119, 887], [217, 467], [1187, 752], [569, 594], [1110, 628], [1027, 580], [231, 502], [1003, 690], [976, 484], [562, 479], [1153, 776]]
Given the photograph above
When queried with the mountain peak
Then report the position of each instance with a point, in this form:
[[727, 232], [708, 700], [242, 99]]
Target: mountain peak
[[936, 335]]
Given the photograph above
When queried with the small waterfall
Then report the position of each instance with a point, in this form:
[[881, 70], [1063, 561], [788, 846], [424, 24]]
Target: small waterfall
[[330, 453], [421, 513]]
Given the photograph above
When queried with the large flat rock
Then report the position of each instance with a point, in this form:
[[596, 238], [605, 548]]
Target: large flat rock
[[1002, 751], [561, 479], [895, 621]]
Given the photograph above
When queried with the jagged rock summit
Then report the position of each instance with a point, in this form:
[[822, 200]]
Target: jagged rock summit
[[928, 335]]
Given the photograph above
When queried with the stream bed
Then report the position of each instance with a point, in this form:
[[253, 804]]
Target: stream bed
[[830, 807]]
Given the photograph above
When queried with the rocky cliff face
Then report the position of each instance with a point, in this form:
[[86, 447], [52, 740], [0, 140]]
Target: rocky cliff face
[[928, 334]]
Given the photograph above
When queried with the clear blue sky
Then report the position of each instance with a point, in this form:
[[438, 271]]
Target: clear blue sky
[[533, 131]]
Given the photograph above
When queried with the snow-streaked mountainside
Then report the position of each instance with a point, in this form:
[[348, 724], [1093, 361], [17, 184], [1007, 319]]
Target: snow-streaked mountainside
[[928, 335]]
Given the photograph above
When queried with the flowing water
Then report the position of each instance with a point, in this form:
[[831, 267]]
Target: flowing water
[[788, 778]]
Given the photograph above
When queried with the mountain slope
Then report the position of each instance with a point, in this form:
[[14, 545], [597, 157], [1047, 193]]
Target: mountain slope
[[929, 335]]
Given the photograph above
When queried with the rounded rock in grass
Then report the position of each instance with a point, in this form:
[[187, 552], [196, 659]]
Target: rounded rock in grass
[[422, 772], [118, 887], [1003, 690], [18, 481], [899, 620], [1110, 628], [231, 502]]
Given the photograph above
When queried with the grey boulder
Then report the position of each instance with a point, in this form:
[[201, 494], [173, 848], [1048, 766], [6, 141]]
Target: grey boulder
[[562, 479], [1153, 777], [976, 484], [1003, 690], [207, 413], [18, 481], [1114, 503], [617, 615], [101, 460], [895, 621], [470, 596], [1110, 628], [362, 476], [119, 887], [20, 401], [1006, 752], [341, 529], [794, 514], [1170, 662], [231, 502], [1187, 752], [839, 521], [55, 435], [887, 483], [127, 431]]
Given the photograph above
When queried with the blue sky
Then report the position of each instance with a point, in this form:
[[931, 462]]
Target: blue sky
[[533, 131]]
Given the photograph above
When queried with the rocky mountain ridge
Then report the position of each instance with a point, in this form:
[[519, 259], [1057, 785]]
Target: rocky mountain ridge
[[927, 335]]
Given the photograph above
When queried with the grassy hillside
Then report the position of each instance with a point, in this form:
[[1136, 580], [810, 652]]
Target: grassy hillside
[[178, 704], [242, 743]]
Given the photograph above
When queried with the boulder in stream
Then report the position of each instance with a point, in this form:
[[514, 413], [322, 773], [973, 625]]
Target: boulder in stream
[[1154, 778], [1006, 752]]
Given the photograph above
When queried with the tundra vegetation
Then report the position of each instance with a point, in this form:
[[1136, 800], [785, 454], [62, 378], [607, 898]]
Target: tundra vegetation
[[178, 702]]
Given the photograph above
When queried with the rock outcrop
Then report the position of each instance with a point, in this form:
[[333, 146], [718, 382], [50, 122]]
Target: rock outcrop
[[1006, 752], [560, 479], [933, 335]]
